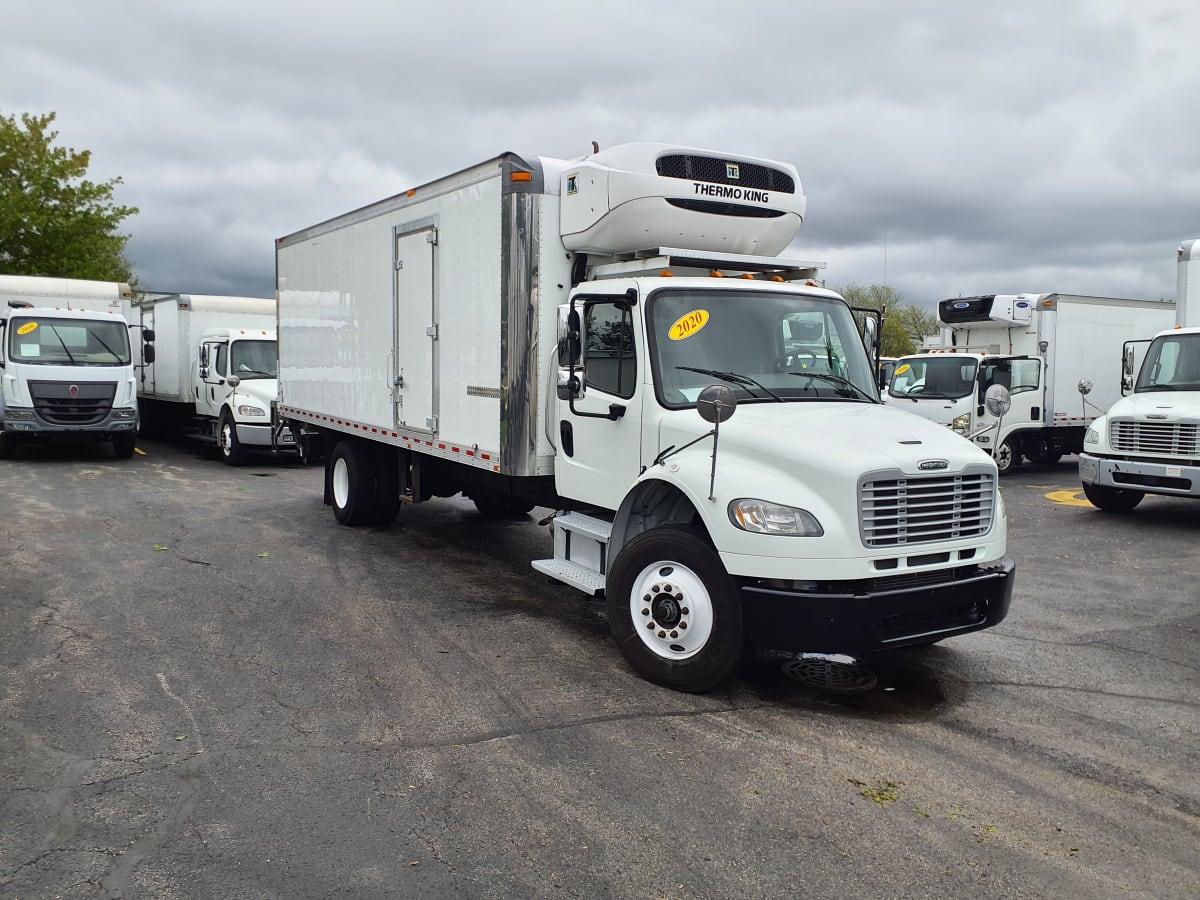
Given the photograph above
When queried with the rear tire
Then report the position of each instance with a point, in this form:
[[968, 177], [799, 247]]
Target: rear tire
[[124, 444], [1110, 499], [674, 611], [351, 484]]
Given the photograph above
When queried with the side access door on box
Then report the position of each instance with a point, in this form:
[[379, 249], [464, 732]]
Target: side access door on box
[[415, 365]]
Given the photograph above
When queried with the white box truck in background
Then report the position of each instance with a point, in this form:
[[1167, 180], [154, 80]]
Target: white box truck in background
[[215, 372], [576, 334], [1040, 347], [1149, 441], [66, 363]]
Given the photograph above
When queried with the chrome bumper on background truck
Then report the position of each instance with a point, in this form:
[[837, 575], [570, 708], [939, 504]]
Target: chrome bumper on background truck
[[876, 613], [1139, 475]]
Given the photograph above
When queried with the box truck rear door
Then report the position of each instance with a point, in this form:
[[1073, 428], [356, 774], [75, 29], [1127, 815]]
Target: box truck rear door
[[415, 375]]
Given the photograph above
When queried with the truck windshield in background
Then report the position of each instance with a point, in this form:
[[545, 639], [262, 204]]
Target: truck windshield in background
[[946, 377], [1172, 364], [255, 359], [56, 342], [765, 346]]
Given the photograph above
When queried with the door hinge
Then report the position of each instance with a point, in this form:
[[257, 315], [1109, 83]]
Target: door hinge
[[399, 382], [432, 331], [399, 264], [431, 236], [431, 423]]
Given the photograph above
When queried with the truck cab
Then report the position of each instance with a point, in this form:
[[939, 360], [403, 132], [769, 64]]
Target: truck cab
[[235, 384]]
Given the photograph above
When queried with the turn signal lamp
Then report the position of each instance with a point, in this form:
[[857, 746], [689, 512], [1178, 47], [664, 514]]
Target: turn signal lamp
[[763, 517], [521, 176]]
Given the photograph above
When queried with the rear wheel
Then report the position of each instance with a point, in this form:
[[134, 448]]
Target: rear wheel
[[351, 484], [232, 451], [674, 610], [124, 444], [1111, 499]]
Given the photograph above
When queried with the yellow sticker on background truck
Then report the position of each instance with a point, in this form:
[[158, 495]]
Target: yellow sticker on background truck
[[27, 327], [688, 324]]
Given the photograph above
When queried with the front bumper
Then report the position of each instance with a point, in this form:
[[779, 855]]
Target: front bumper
[[114, 421], [879, 613], [254, 435], [1134, 475]]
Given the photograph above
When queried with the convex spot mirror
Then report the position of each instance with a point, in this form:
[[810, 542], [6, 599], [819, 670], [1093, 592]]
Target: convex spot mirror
[[716, 403], [997, 400]]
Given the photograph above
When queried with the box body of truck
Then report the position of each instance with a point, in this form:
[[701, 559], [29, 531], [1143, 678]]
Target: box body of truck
[[521, 331], [214, 374], [1042, 347], [67, 363], [1149, 441]]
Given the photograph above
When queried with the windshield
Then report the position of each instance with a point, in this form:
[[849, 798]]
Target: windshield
[[942, 377], [254, 359], [1172, 364], [764, 346], [51, 341]]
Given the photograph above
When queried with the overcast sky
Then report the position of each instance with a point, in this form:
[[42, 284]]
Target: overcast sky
[[946, 148]]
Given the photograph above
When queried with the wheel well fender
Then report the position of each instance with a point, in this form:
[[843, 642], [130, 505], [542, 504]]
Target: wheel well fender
[[653, 503]]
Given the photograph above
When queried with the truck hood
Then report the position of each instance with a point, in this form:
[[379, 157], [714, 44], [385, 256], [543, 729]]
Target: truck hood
[[261, 391], [935, 409], [845, 439], [1173, 405]]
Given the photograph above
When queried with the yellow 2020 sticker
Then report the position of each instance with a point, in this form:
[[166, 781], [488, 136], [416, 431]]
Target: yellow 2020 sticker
[[688, 324], [904, 368], [27, 327]]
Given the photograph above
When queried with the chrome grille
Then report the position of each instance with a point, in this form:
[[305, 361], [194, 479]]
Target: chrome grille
[[896, 509], [53, 401], [1158, 438]]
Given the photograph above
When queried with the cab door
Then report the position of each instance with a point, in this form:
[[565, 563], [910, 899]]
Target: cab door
[[210, 389], [1023, 376], [599, 432]]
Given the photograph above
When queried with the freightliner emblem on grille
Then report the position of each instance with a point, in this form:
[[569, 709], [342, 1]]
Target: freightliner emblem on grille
[[929, 465]]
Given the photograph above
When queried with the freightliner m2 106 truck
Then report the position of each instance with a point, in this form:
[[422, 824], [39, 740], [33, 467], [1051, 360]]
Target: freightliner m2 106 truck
[[66, 364], [1149, 442], [615, 337], [214, 376]]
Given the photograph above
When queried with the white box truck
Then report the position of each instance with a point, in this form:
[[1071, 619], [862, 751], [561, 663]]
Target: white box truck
[[1149, 441], [576, 334], [1040, 347], [66, 363], [215, 372]]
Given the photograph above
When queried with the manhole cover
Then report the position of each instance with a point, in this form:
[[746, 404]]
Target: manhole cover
[[832, 673]]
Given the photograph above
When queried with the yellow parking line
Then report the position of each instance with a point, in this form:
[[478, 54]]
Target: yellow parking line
[[1068, 498]]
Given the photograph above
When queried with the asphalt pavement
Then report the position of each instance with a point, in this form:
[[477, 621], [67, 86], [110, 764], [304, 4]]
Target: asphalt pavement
[[209, 689]]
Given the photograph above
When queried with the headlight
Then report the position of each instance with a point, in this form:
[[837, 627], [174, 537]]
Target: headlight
[[762, 517], [245, 410], [962, 423], [1092, 436], [124, 413], [19, 413]]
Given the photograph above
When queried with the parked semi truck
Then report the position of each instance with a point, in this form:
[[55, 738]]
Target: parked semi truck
[[615, 337], [215, 372], [1149, 441], [1040, 347], [67, 364]]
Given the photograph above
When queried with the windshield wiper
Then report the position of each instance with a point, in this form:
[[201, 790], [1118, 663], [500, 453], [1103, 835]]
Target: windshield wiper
[[255, 372], [99, 340], [64, 344], [733, 378], [837, 379]]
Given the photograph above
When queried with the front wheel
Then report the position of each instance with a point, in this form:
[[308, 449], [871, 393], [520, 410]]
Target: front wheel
[[124, 444], [232, 451], [674, 610], [1111, 499], [1008, 457]]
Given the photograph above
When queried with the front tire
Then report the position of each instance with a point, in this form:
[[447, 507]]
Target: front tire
[[232, 451], [1111, 499], [8, 445], [124, 444], [1008, 457], [674, 611]]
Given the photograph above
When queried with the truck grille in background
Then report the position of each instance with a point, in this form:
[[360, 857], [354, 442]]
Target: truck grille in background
[[895, 509], [1159, 438], [53, 403], [707, 168]]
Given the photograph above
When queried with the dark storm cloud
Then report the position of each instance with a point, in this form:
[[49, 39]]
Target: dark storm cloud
[[947, 148]]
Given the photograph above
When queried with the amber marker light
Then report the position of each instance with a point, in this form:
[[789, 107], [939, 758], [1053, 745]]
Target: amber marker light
[[521, 176]]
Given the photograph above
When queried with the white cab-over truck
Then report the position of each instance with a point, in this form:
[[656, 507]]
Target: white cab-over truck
[[575, 334], [66, 363], [1040, 347], [215, 372], [1149, 441]]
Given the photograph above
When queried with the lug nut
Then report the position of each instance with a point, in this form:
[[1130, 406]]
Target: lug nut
[[682, 626], [650, 625], [685, 611], [645, 612], [662, 634], [674, 634]]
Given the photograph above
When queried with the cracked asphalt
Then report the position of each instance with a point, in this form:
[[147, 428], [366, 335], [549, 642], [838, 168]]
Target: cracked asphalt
[[209, 689]]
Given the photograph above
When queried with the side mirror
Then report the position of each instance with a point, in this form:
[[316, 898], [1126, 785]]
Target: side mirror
[[1084, 387], [997, 400], [574, 338], [233, 381], [1127, 361], [148, 335], [870, 338], [716, 403], [148, 353]]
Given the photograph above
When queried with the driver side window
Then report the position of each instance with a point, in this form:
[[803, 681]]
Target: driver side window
[[609, 359]]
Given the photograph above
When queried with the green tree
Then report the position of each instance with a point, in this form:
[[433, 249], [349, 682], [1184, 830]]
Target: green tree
[[904, 324], [53, 220]]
